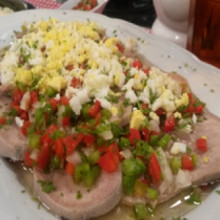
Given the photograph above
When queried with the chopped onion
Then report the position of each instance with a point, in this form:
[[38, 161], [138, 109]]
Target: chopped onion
[[24, 105], [126, 153], [106, 135], [60, 112], [167, 184], [34, 154], [183, 180], [74, 158], [155, 125]]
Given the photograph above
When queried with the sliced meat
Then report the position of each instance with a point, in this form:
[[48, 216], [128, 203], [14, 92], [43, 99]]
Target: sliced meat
[[63, 202], [12, 143]]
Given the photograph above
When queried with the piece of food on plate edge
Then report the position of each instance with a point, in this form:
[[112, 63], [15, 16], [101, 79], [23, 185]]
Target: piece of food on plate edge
[[97, 125]]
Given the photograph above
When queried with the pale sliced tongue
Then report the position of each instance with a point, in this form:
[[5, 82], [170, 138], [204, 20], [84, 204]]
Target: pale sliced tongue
[[63, 201], [12, 143]]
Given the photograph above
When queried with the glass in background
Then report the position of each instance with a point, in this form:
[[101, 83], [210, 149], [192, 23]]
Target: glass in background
[[204, 30]]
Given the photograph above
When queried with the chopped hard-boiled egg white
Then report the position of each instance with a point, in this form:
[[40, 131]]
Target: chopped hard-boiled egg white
[[50, 53]]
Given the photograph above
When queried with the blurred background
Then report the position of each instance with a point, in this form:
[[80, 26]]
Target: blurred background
[[140, 12]]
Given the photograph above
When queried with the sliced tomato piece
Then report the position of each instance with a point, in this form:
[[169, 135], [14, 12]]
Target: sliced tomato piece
[[24, 128], [69, 168], [107, 162], [17, 95], [3, 120], [64, 100], [75, 83], [52, 128], [46, 139], [71, 142], [147, 71], [201, 144], [88, 139], [54, 103], [134, 135], [137, 64], [59, 148], [169, 124], [66, 121], [199, 109], [43, 158], [34, 97], [120, 47], [95, 109], [146, 134]]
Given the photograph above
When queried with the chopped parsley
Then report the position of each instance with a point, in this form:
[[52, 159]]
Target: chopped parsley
[[194, 199], [47, 186], [79, 195]]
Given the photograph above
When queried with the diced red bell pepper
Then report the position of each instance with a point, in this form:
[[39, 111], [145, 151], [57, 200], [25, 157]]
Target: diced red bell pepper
[[154, 169], [169, 124], [75, 83], [120, 47], [190, 109], [3, 120], [59, 148], [146, 134], [107, 162], [113, 148], [66, 121], [24, 115], [147, 70], [46, 139], [43, 158], [54, 103], [69, 67], [88, 139], [103, 149], [17, 95], [69, 168], [52, 128], [134, 135], [137, 64], [71, 142], [201, 144], [24, 128], [64, 100], [160, 111], [27, 159], [144, 106], [199, 109], [34, 97], [187, 162], [95, 109]]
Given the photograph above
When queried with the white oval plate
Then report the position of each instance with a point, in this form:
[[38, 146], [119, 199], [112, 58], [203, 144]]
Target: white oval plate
[[204, 80], [68, 5]]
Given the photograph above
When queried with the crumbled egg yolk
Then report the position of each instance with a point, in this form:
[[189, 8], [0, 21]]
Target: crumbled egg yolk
[[50, 46], [205, 159], [136, 119], [114, 111]]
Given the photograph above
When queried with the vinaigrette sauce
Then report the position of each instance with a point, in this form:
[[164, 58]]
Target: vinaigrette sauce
[[175, 207]]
